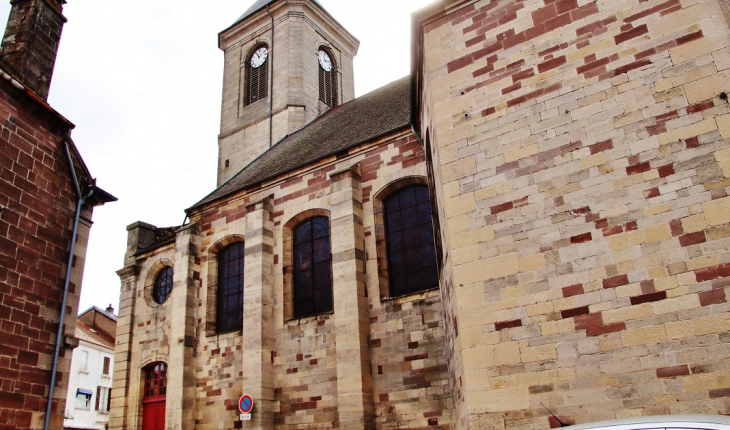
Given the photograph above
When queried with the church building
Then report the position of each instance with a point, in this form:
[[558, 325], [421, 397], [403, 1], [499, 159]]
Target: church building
[[533, 228]]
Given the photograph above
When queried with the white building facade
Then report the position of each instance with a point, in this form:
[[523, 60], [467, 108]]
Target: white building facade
[[90, 381]]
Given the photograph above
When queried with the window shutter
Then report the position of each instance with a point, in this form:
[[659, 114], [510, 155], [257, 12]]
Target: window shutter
[[98, 398]]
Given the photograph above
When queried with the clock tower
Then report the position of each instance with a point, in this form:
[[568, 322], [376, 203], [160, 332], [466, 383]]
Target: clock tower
[[286, 63]]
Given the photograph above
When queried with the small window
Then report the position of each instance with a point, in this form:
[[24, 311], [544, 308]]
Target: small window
[[163, 285], [155, 383], [83, 398], [106, 367], [312, 267], [230, 288], [256, 84], [410, 241], [327, 79], [103, 398], [83, 361]]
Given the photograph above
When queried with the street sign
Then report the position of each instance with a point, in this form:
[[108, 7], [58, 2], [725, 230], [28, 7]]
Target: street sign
[[245, 417], [245, 404]]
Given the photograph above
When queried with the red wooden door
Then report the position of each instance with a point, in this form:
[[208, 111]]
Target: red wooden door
[[153, 417], [155, 391]]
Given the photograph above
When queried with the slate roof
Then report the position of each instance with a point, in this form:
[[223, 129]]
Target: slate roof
[[93, 335], [101, 311], [359, 121], [261, 4]]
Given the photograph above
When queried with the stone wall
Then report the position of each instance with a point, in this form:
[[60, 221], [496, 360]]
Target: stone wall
[[581, 165], [300, 29], [38, 203], [298, 370]]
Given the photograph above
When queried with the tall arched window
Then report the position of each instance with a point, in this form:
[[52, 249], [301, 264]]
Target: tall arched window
[[163, 285], [327, 78], [229, 293], [312, 267], [256, 84], [410, 242]]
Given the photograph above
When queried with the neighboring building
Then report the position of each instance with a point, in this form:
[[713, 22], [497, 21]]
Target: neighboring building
[[90, 380], [39, 210], [574, 156]]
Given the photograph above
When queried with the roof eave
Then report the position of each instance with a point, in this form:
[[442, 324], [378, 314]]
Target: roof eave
[[262, 8], [299, 166]]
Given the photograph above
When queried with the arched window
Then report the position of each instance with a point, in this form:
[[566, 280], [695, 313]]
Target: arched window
[[410, 242], [163, 285], [155, 381], [230, 288], [256, 84], [312, 267], [327, 78]]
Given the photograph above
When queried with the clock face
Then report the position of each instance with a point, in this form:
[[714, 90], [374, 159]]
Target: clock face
[[259, 57], [324, 61]]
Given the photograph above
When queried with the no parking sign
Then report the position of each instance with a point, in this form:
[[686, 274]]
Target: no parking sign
[[245, 404]]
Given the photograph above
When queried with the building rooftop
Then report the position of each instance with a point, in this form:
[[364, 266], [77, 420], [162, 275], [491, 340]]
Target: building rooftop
[[91, 334], [261, 4], [359, 121], [101, 311]]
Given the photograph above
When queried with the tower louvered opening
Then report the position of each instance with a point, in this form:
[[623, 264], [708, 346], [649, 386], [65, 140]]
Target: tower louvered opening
[[257, 79], [328, 86]]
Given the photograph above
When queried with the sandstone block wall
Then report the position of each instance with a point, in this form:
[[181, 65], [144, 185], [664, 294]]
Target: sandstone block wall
[[388, 363], [38, 204], [581, 164], [300, 29]]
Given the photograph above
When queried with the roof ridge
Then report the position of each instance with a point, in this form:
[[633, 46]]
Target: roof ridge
[[358, 121]]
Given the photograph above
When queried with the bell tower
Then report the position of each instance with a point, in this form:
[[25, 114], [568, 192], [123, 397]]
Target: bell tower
[[286, 63]]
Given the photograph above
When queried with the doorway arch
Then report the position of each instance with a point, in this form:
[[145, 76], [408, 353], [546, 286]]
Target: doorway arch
[[155, 394]]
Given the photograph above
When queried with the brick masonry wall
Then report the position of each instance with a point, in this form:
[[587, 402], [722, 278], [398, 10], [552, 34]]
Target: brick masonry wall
[[31, 42], [410, 383], [582, 168], [37, 194]]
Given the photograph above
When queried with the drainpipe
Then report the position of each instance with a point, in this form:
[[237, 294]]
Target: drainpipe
[[271, 93], [59, 335]]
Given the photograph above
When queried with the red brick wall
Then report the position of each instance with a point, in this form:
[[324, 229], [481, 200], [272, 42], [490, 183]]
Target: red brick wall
[[35, 228]]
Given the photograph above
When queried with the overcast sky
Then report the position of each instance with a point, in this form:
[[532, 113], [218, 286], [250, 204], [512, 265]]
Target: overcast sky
[[141, 80]]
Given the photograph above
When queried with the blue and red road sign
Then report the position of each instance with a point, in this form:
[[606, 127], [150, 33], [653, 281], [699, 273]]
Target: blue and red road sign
[[245, 404]]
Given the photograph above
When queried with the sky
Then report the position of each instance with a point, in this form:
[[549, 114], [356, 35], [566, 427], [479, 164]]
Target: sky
[[142, 81]]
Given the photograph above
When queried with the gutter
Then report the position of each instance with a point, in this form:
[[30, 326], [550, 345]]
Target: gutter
[[103, 197]]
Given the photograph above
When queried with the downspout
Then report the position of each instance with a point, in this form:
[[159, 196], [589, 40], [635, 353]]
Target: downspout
[[59, 334], [415, 133], [271, 93]]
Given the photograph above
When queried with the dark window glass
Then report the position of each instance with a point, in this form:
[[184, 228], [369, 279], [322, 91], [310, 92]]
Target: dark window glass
[[230, 288], [409, 237], [107, 364], [312, 267], [155, 383], [163, 285], [257, 78]]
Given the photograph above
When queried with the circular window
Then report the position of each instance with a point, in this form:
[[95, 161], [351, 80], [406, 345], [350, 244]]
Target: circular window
[[163, 285]]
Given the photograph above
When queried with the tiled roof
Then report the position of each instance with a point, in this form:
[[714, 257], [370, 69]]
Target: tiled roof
[[90, 334], [356, 122]]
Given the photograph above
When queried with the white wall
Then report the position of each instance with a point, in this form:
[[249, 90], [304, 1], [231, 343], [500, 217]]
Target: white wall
[[88, 376]]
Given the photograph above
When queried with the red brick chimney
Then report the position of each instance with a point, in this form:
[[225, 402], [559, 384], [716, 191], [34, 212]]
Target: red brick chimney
[[31, 42]]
